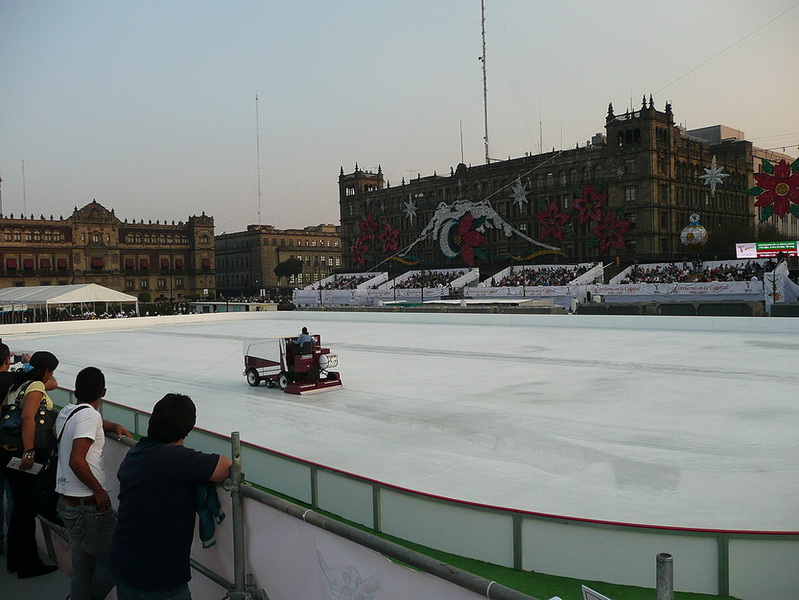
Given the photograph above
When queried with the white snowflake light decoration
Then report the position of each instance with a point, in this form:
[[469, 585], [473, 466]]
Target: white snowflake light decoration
[[713, 176], [519, 193], [410, 207]]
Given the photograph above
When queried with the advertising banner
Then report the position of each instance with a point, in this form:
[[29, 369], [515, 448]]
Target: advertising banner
[[766, 249]]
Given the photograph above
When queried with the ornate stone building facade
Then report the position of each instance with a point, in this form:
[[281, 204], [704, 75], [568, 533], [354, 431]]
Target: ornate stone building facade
[[93, 246], [628, 192], [246, 259]]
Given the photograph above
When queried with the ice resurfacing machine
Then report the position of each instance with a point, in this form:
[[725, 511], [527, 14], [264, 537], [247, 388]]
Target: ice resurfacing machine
[[294, 369]]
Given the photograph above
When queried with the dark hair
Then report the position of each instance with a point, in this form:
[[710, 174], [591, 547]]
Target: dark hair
[[173, 418], [4, 353], [40, 362], [305, 330], [89, 385]]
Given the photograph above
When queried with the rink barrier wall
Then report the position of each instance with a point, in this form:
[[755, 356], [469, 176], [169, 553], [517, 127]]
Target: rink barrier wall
[[633, 322], [783, 325], [749, 565]]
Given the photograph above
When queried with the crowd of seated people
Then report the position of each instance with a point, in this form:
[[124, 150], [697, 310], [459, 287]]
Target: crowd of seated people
[[429, 279], [544, 276], [751, 271], [346, 282], [673, 273], [273, 297]]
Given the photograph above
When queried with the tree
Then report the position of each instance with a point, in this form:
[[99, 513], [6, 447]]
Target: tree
[[144, 296], [287, 268]]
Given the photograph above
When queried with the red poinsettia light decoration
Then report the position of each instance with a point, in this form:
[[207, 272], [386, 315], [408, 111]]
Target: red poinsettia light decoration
[[552, 221], [589, 205], [468, 238], [368, 228], [777, 189], [611, 232], [389, 238], [358, 251]]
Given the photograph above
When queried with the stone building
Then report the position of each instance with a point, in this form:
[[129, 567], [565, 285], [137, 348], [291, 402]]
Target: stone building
[[93, 246], [246, 259], [628, 193]]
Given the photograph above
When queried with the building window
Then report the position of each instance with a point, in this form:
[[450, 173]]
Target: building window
[[129, 283], [17, 236], [179, 282], [664, 220], [162, 284], [629, 165], [203, 239], [629, 193], [144, 283]]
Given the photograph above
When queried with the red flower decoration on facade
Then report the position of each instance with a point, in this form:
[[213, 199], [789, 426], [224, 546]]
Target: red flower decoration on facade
[[611, 232], [389, 238], [468, 238], [368, 228], [779, 189], [358, 251], [589, 205], [552, 221]]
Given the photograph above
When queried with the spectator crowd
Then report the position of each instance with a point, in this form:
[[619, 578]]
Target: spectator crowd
[[672, 273], [429, 279], [544, 276], [346, 282]]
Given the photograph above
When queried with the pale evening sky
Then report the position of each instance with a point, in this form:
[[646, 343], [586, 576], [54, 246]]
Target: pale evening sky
[[149, 107]]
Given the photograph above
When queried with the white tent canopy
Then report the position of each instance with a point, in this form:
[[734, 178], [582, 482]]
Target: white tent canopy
[[83, 293]]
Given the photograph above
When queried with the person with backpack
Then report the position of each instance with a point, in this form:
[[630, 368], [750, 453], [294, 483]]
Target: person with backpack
[[84, 505]]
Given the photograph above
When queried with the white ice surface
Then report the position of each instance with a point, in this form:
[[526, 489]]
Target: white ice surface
[[688, 429]]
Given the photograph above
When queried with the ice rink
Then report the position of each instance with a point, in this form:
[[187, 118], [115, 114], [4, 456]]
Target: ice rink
[[676, 428]]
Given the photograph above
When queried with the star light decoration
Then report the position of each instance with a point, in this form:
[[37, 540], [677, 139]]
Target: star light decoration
[[519, 192], [713, 176], [410, 208]]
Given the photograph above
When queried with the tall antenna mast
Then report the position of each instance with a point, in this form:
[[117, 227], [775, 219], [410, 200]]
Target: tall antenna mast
[[540, 129], [485, 87], [1, 196], [258, 155], [24, 198], [460, 122]]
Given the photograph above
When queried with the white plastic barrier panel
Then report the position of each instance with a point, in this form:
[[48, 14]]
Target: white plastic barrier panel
[[292, 559]]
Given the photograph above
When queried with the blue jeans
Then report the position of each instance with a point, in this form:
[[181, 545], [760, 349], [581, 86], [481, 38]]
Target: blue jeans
[[90, 532], [125, 592]]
